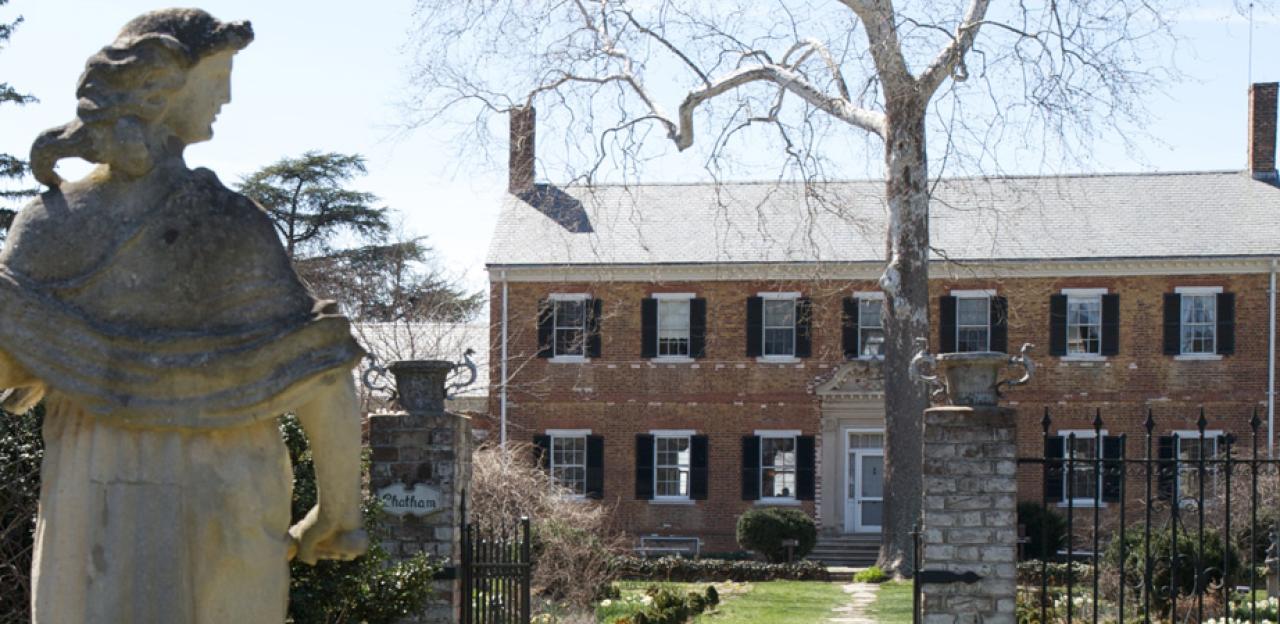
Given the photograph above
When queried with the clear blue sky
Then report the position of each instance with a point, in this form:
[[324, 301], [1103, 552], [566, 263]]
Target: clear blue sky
[[328, 75]]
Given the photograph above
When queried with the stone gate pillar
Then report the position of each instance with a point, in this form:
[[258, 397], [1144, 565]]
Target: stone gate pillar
[[969, 515], [967, 570], [421, 465]]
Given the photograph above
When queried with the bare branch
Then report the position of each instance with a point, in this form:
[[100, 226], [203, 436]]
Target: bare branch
[[950, 61]]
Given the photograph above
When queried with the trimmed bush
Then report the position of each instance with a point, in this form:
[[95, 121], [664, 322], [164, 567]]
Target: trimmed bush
[[764, 530], [872, 574], [678, 569], [1046, 530]]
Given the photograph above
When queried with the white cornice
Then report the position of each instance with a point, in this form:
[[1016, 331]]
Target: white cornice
[[851, 271]]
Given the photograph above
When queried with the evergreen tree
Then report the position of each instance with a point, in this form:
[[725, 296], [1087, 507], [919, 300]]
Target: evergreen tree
[[12, 168]]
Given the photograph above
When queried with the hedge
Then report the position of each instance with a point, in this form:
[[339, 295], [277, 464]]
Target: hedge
[[682, 570]]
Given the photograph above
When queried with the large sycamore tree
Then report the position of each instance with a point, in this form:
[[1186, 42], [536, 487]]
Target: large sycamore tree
[[990, 79]]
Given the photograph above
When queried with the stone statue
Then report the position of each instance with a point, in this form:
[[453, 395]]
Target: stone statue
[[157, 315]]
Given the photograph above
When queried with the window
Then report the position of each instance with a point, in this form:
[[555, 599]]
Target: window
[[1190, 449], [779, 327], [1199, 323], [973, 322], [1084, 324], [569, 462], [777, 466], [870, 327], [1081, 482], [570, 326], [673, 327], [671, 466]]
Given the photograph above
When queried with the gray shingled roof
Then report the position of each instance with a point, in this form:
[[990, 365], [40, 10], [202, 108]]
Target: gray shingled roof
[[1017, 218]]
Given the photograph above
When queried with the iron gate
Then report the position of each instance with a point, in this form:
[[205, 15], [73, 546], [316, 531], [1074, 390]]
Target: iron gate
[[496, 571], [1172, 530]]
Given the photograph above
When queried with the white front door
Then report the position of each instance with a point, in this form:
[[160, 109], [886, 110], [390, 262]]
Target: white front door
[[864, 481]]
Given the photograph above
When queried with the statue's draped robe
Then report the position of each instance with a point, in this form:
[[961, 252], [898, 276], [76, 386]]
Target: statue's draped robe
[[169, 329]]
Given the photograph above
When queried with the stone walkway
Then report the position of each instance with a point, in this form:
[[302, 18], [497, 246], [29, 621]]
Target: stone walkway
[[861, 595]]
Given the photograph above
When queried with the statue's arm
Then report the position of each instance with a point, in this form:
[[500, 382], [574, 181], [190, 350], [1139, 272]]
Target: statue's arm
[[331, 420], [19, 390]]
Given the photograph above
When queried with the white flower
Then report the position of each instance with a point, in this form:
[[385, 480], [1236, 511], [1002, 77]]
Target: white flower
[[606, 603]]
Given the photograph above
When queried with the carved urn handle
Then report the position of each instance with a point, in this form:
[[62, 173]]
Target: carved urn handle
[[1023, 359], [917, 375]]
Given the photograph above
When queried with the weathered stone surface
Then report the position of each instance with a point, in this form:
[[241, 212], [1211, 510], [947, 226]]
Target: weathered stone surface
[[161, 316]]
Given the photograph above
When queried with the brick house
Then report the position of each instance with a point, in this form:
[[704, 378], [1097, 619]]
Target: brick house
[[689, 352]]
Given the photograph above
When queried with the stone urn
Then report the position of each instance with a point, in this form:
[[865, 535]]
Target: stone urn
[[970, 379], [420, 384]]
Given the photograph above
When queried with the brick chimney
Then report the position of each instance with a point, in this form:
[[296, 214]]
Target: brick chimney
[[1262, 129], [520, 167]]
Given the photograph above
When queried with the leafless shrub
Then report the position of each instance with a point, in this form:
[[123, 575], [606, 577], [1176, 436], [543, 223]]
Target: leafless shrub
[[573, 539]]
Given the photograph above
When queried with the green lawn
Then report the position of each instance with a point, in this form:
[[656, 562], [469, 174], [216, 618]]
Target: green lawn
[[776, 602], [893, 603]]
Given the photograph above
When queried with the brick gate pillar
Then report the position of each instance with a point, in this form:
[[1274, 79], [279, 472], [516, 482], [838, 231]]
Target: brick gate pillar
[[969, 515], [421, 465]]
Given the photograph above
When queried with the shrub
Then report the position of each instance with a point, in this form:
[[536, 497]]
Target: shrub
[[764, 530], [1046, 530], [1030, 573], [21, 450], [669, 607], [573, 543], [677, 569], [1163, 545], [872, 574]]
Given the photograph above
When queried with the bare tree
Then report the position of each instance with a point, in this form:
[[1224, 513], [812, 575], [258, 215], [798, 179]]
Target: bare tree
[[1043, 78]]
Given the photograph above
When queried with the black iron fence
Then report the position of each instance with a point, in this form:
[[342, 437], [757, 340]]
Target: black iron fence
[[496, 571], [1170, 526]]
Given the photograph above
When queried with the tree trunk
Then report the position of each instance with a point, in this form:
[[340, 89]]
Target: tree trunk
[[906, 285]]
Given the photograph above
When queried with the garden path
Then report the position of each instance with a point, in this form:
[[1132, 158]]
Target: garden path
[[861, 595]]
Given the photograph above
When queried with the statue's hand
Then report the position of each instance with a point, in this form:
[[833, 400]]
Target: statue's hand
[[321, 536]]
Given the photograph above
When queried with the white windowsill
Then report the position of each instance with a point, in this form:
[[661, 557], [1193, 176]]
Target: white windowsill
[[675, 502], [777, 502], [672, 360], [1086, 503], [569, 359], [1193, 357], [778, 359]]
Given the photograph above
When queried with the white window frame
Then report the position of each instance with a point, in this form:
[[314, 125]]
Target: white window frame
[[859, 297], [555, 298], [563, 434], [793, 435], [986, 294], [794, 297], [1079, 294], [687, 435], [1098, 447], [1198, 291], [1212, 471], [657, 348]]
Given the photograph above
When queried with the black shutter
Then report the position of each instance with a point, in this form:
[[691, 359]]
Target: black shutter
[[595, 466], [1172, 324], [750, 468], [595, 313], [542, 451], [946, 324], [804, 327], [1167, 474], [648, 328], [1000, 324], [644, 467], [1053, 470], [1110, 324], [698, 328], [1057, 324], [755, 326], [849, 328], [698, 459], [1226, 323], [806, 459], [546, 328], [1112, 467]]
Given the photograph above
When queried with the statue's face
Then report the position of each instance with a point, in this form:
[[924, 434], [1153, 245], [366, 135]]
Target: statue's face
[[192, 110]]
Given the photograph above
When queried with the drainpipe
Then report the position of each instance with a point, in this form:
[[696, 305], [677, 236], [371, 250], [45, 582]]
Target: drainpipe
[[1271, 363], [502, 439]]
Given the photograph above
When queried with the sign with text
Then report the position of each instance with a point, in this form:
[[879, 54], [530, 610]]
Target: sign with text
[[420, 500]]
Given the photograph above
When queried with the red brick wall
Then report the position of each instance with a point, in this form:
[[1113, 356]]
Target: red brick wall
[[727, 395]]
